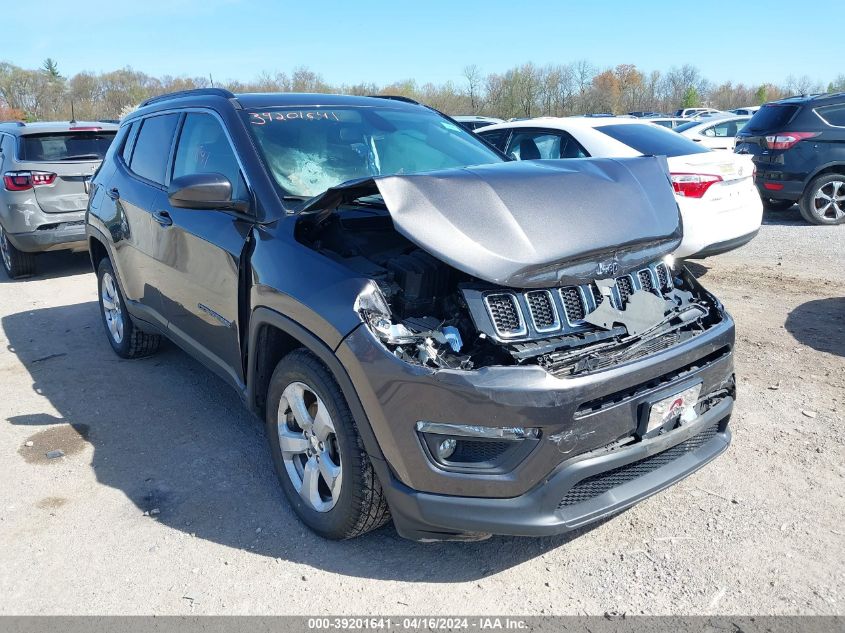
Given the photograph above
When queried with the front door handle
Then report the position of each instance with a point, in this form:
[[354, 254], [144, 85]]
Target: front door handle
[[113, 193], [163, 218]]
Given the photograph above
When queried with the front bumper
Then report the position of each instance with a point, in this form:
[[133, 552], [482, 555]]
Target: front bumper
[[51, 237], [577, 493], [575, 416]]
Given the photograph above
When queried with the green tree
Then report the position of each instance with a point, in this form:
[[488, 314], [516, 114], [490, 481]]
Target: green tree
[[691, 98], [51, 68], [761, 95]]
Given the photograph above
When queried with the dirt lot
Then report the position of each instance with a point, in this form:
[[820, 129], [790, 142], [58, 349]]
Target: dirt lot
[[759, 531]]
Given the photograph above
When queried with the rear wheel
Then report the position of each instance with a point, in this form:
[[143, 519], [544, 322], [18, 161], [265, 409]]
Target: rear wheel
[[16, 263], [320, 460], [126, 340], [823, 201], [770, 204]]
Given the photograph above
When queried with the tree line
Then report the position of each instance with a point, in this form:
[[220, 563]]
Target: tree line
[[527, 90]]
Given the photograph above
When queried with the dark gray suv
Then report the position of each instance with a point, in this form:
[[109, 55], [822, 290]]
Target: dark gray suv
[[46, 169], [429, 331]]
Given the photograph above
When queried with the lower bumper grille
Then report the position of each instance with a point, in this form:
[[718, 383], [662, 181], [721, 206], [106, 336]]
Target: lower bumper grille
[[596, 485]]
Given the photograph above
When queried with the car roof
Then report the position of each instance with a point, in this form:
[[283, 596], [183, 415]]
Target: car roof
[[815, 99], [474, 117], [715, 120], [567, 123], [18, 128]]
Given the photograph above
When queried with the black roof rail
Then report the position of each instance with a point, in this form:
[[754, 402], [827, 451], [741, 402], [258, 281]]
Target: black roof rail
[[196, 92], [396, 98]]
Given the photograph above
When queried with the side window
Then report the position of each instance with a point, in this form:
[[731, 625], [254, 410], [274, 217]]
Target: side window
[[726, 128], [544, 145], [834, 115], [203, 148], [152, 147], [126, 152], [496, 138]]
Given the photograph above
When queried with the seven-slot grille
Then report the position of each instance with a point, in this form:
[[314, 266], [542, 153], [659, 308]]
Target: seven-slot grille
[[519, 315], [543, 311], [506, 315]]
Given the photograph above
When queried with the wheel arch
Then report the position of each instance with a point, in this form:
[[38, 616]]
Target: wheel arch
[[829, 168], [271, 337]]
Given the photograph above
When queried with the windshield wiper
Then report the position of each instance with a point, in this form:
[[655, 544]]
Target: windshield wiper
[[83, 157]]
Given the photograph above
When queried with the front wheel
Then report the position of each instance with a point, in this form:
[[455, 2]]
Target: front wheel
[[823, 201], [126, 340], [16, 263], [319, 458]]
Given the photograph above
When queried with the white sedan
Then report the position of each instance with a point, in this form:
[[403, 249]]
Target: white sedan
[[714, 133], [719, 203]]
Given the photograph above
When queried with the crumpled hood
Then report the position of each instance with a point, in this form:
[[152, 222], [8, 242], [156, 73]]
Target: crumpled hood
[[531, 223]]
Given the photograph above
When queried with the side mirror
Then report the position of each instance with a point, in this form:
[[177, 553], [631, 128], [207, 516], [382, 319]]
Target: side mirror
[[204, 191]]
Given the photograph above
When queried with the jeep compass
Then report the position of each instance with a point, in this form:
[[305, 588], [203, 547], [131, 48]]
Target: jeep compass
[[431, 333]]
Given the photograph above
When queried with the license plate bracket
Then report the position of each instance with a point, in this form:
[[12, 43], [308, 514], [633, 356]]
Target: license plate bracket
[[680, 406]]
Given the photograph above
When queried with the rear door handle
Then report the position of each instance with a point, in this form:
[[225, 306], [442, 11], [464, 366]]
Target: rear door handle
[[113, 193], [163, 218]]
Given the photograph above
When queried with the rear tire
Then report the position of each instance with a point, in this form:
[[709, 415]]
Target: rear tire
[[771, 204], [126, 340], [16, 263], [823, 201], [341, 497]]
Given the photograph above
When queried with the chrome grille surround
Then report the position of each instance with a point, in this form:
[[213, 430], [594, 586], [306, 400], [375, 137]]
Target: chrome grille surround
[[507, 317], [574, 304], [543, 311]]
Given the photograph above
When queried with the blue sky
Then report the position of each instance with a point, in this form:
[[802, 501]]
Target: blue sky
[[354, 41]]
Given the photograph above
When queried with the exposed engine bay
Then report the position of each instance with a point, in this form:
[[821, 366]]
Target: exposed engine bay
[[429, 313]]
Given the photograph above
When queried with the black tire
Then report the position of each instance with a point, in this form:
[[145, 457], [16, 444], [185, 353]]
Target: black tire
[[807, 204], [771, 204], [133, 343], [16, 263], [360, 505]]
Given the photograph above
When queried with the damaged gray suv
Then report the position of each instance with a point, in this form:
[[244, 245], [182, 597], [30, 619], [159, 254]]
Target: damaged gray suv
[[431, 333]]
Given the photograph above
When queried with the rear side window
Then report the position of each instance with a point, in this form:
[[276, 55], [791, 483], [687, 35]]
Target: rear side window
[[772, 118], [833, 115], [651, 140], [152, 148], [126, 152], [64, 146]]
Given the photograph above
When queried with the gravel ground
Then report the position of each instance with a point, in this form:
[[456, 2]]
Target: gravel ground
[[165, 501]]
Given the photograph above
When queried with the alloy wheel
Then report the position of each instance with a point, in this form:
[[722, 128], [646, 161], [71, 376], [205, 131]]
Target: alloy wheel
[[4, 250], [111, 307], [309, 446], [829, 201]]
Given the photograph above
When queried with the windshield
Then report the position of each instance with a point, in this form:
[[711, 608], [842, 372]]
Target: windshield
[[309, 150], [63, 146], [651, 140]]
